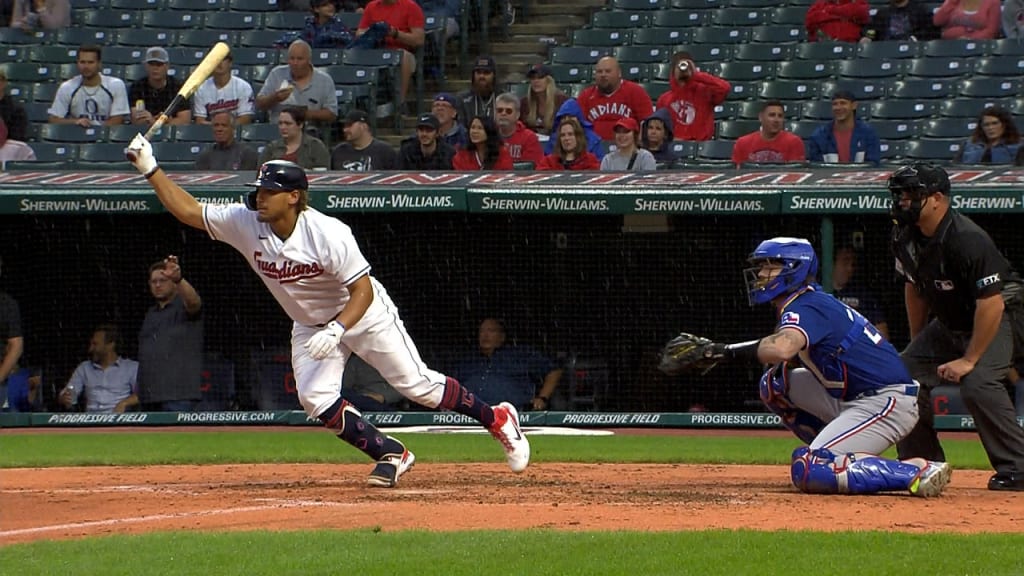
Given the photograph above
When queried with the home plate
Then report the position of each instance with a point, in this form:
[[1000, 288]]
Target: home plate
[[532, 430]]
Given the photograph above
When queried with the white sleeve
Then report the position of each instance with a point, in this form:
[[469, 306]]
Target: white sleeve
[[201, 99], [119, 107], [61, 106], [346, 258], [246, 101], [227, 223]]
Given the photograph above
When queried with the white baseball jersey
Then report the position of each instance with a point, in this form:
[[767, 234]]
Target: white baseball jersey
[[308, 273], [236, 96], [97, 103]]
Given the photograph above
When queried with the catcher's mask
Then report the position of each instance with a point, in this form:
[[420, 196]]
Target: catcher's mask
[[277, 175], [916, 182], [797, 262]]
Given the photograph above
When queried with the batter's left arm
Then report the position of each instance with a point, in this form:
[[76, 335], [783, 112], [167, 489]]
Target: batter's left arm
[[360, 296], [781, 346]]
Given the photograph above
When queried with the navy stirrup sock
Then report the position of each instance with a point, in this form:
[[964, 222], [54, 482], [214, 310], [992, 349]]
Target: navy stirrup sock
[[458, 399], [348, 424]]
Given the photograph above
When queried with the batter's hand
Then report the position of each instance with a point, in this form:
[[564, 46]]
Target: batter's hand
[[140, 154], [955, 370], [321, 343]]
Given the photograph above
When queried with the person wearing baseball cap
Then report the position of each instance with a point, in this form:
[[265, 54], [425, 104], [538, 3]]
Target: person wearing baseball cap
[[537, 109], [628, 156], [478, 100], [846, 138], [426, 150], [446, 109], [361, 152], [151, 95]]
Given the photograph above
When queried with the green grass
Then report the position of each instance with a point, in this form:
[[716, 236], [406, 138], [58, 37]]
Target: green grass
[[535, 553], [31, 450]]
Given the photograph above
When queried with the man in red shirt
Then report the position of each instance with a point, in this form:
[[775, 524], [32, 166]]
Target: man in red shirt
[[405, 30], [521, 142], [611, 98], [692, 99], [836, 20], [770, 144]]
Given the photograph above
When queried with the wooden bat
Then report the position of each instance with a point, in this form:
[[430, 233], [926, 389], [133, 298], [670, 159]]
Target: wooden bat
[[199, 75]]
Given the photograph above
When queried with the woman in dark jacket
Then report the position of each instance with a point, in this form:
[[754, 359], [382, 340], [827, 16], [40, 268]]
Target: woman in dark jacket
[[656, 136]]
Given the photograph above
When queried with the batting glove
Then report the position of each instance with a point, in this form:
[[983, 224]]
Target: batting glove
[[321, 343], [140, 154]]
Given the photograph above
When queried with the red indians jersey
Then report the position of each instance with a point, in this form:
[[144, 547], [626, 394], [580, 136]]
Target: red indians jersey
[[308, 272], [603, 111]]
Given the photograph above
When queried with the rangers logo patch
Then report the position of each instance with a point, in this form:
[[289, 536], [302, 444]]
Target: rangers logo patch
[[790, 318]]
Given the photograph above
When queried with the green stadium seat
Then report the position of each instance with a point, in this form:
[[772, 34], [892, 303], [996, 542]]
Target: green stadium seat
[[727, 110], [350, 19], [75, 37], [1010, 66], [172, 20], [108, 18], [676, 19], [801, 129], [789, 15], [257, 6], [817, 110], [182, 56], [764, 53], [719, 151], [655, 88], [122, 54], [45, 92], [325, 56], [891, 150], [620, 20], [936, 150], [721, 35], [921, 89], [660, 36], [570, 73], [825, 51], [897, 129], [30, 72], [55, 151], [863, 90], [634, 72], [145, 37], [38, 112], [578, 54], [788, 90], [978, 87], [1017, 107], [753, 3], [683, 149], [90, 4], [868, 69], [259, 38], [235, 20], [200, 133], [949, 128], [22, 92], [126, 132], [965, 107], [284, 20], [207, 38], [177, 151], [642, 54], [955, 48], [133, 72], [71, 133], [103, 152], [902, 110], [743, 90], [601, 37], [804, 70], [136, 4], [697, 4], [751, 110], [197, 5], [730, 17], [246, 56], [260, 132], [1006, 47], [889, 50], [53, 55], [938, 68], [746, 71], [777, 34], [705, 53], [733, 129], [638, 4]]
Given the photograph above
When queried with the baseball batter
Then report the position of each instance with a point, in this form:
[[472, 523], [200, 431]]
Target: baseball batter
[[852, 399], [312, 265]]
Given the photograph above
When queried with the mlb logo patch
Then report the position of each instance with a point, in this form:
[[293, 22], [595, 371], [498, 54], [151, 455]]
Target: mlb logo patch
[[790, 318]]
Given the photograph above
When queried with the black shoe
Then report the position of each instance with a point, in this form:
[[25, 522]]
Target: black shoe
[[1012, 482]]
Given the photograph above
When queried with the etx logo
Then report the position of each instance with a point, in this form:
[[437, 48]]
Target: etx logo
[[988, 281]]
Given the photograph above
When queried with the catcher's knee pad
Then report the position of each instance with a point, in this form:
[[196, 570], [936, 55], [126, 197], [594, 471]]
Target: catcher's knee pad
[[813, 472], [773, 389], [823, 472]]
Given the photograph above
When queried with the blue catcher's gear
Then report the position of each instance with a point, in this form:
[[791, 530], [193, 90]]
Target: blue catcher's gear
[[774, 388], [918, 181], [798, 260], [823, 472], [278, 175]]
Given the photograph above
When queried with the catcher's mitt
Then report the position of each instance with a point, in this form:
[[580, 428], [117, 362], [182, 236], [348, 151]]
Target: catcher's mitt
[[688, 352]]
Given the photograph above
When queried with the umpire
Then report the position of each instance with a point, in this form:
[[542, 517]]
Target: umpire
[[954, 272]]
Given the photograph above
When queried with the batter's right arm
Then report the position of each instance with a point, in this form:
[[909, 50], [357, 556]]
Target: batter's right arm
[[917, 309], [173, 197]]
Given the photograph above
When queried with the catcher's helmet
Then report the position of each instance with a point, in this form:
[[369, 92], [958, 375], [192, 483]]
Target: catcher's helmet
[[280, 175], [918, 181], [799, 262]]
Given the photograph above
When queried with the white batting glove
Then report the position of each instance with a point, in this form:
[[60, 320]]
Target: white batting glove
[[140, 154], [321, 343]]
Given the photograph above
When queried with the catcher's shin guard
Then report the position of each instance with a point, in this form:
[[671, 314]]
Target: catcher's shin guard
[[773, 389], [823, 472]]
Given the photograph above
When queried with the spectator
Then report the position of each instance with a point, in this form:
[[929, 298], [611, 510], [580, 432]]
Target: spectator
[[628, 156], [405, 30], [995, 139], [108, 380], [426, 150], [151, 95], [571, 107], [223, 92], [13, 150], [226, 154], [770, 144], [836, 20], [501, 372], [298, 83], [1013, 19], [901, 20], [11, 335], [30, 15], [692, 99], [485, 150], [856, 294], [570, 151], [450, 10], [170, 342], [974, 19], [520, 141], [324, 29], [364, 387], [12, 112], [846, 138], [611, 98], [537, 109], [445, 108], [90, 98], [296, 144], [361, 152], [478, 100], [656, 136]]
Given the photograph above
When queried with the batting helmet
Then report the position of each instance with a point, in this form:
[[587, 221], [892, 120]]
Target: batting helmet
[[799, 262], [280, 175], [918, 181]]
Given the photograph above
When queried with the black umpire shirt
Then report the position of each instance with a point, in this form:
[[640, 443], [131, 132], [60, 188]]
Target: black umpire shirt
[[952, 269]]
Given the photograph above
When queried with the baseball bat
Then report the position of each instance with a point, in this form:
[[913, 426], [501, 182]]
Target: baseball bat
[[199, 75]]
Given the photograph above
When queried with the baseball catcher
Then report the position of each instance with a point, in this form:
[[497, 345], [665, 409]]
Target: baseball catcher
[[852, 399]]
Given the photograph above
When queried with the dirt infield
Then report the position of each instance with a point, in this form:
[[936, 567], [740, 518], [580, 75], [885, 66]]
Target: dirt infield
[[59, 503]]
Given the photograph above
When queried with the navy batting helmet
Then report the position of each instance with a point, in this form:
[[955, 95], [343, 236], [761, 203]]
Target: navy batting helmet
[[280, 175]]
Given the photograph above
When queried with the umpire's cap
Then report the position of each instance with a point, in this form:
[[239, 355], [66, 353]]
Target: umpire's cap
[[281, 175]]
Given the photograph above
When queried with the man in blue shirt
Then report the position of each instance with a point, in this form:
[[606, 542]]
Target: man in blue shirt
[[107, 380], [846, 138], [501, 373]]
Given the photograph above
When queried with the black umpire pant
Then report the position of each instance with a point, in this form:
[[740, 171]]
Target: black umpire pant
[[983, 391]]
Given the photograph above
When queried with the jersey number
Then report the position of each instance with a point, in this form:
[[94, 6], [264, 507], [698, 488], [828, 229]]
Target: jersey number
[[872, 334]]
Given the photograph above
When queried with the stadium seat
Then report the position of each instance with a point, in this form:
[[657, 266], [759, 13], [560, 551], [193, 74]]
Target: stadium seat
[[763, 53], [207, 38], [660, 37], [727, 110], [15, 53], [888, 50], [733, 129], [655, 88], [949, 128], [577, 54], [901, 110], [259, 38], [989, 87], [684, 149], [103, 152], [126, 132], [1017, 107], [54, 55], [743, 90], [677, 19], [284, 20], [136, 4], [122, 54], [788, 90], [718, 151], [697, 4], [108, 18], [132, 72], [350, 19], [897, 129], [825, 51], [938, 68], [789, 15], [890, 151], [638, 4], [864, 68], [90, 4], [234, 20], [38, 112], [525, 165], [955, 48], [570, 73], [172, 20], [257, 6], [634, 72], [801, 129], [939, 150], [29, 72], [255, 73], [753, 3], [921, 88], [55, 151], [721, 35], [601, 37], [777, 34], [862, 89], [76, 37], [704, 54], [325, 56], [745, 71], [817, 110], [642, 54], [23, 92], [247, 56], [45, 92], [16, 36], [804, 70], [182, 56], [965, 107], [200, 133], [177, 151], [730, 17], [1012, 66], [260, 132], [620, 20], [145, 37], [196, 5], [1006, 47]]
